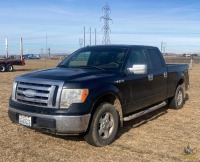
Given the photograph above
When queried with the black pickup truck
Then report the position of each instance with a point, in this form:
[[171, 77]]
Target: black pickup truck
[[96, 89]]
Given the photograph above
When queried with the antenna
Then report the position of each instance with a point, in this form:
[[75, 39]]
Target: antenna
[[106, 28]]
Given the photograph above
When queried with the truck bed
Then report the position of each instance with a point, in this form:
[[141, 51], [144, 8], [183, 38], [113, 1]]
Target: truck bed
[[12, 62]]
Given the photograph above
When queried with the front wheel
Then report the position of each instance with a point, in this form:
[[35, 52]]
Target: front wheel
[[178, 100], [104, 126]]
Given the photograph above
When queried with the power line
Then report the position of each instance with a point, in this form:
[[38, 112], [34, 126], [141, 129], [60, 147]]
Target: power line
[[106, 28]]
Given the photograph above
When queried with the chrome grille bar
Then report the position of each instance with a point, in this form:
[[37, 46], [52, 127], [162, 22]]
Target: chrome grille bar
[[34, 87], [32, 99], [37, 94], [51, 95]]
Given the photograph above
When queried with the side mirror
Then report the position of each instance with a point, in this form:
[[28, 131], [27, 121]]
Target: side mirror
[[137, 69]]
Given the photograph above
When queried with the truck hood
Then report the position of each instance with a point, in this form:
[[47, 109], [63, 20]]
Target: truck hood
[[70, 74]]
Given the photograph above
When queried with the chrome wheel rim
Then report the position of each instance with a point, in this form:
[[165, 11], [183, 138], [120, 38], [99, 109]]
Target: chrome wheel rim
[[106, 125], [180, 98]]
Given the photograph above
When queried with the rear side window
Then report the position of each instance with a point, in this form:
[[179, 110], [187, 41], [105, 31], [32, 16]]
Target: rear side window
[[155, 59]]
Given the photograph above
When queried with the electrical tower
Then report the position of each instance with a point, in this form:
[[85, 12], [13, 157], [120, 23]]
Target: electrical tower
[[106, 28], [163, 47]]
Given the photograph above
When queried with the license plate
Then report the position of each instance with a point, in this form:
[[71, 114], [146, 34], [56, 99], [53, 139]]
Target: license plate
[[25, 120]]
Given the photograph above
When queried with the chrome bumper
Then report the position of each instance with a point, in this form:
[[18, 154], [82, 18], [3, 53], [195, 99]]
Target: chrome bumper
[[63, 124]]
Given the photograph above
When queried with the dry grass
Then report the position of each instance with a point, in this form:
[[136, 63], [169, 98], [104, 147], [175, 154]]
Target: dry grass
[[159, 136]]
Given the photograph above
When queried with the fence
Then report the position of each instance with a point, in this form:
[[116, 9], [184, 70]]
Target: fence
[[184, 60]]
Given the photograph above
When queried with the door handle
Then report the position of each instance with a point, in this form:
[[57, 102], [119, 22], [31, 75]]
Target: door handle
[[165, 74], [150, 77]]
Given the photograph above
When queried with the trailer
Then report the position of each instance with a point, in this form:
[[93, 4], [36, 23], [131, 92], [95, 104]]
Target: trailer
[[7, 64]]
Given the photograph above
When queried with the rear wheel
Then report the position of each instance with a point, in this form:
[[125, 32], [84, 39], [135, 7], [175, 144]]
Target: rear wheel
[[2, 68], [9, 68], [178, 100], [104, 126]]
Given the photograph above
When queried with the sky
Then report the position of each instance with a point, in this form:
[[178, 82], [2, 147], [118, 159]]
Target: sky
[[58, 24]]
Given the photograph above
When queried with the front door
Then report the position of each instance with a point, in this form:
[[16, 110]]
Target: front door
[[137, 86]]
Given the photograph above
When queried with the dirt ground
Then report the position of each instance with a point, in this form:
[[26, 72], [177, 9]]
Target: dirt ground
[[159, 136]]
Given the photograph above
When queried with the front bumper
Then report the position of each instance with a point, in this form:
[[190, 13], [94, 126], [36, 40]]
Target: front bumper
[[58, 124]]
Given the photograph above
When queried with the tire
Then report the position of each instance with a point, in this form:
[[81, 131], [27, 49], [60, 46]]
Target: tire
[[177, 101], [104, 126], [9, 68], [2, 68]]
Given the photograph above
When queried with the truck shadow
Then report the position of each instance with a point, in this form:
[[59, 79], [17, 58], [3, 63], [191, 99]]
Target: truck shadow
[[137, 122], [127, 125]]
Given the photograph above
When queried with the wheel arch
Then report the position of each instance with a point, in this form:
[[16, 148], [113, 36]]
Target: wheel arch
[[181, 81], [112, 98]]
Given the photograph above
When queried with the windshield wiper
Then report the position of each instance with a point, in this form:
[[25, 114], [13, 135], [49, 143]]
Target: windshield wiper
[[90, 66], [63, 66], [93, 66]]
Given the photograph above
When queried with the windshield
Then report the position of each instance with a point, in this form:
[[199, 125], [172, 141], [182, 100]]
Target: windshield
[[98, 58]]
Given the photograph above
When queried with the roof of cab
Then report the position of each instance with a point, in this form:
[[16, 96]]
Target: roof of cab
[[119, 45]]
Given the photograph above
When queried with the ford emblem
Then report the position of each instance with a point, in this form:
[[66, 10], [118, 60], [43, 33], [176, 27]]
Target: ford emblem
[[29, 93]]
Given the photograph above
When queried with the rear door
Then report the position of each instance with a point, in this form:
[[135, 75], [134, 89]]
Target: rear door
[[157, 75]]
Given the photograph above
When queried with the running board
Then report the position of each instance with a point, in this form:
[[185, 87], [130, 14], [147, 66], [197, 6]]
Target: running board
[[145, 111]]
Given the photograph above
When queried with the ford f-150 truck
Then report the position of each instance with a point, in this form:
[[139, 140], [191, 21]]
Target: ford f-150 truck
[[96, 89]]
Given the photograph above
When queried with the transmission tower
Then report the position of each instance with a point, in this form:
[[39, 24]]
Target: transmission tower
[[106, 28]]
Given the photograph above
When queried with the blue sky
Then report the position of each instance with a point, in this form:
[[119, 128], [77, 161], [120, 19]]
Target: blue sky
[[145, 22]]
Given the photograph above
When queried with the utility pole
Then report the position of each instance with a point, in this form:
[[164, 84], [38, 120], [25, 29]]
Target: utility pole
[[49, 53], [106, 28], [6, 46], [21, 48], [46, 43]]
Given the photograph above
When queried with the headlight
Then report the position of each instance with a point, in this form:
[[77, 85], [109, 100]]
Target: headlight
[[70, 96]]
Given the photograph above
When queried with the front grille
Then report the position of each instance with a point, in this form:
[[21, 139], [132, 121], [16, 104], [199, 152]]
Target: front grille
[[38, 93]]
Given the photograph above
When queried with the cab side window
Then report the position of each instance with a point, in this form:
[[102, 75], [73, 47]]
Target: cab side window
[[136, 56], [154, 56]]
